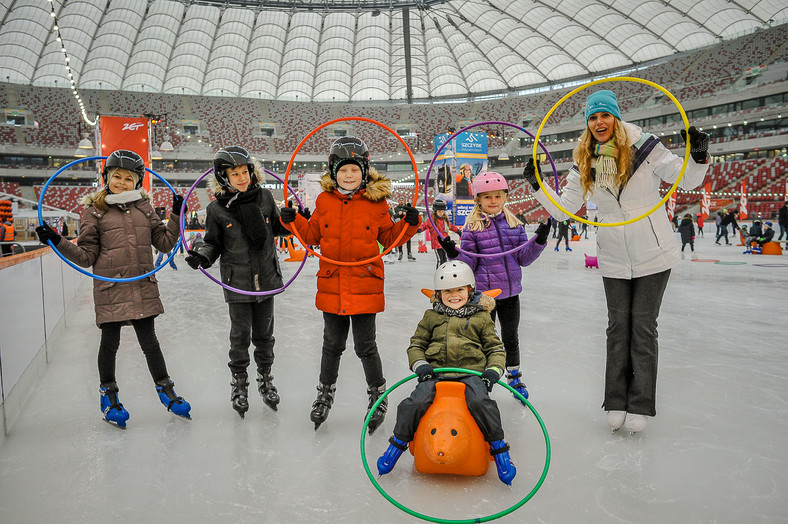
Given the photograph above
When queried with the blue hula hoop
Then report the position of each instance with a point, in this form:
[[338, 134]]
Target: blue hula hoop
[[83, 271]]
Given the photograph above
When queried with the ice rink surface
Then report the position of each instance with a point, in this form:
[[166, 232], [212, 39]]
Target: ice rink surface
[[715, 452]]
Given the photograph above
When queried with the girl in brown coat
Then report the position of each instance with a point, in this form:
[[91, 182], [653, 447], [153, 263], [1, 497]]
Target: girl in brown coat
[[118, 227]]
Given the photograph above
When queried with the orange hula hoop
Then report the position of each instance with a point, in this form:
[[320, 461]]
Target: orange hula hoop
[[415, 191]]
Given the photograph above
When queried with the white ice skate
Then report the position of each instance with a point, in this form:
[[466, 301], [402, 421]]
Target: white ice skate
[[635, 423], [615, 419]]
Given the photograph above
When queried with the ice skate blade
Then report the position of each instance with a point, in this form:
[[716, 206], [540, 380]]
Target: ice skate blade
[[115, 424]]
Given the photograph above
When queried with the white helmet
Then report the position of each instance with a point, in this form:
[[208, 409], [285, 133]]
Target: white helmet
[[454, 274]]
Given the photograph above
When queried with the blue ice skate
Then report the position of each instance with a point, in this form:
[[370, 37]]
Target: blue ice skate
[[513, 376], [506, 470], [389, 457], [175, 404], [114, 412]]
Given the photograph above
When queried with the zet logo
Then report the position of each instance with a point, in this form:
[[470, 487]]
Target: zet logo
[[132, 126]]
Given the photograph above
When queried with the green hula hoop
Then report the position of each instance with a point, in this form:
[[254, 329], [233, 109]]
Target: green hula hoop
[[451, 521]]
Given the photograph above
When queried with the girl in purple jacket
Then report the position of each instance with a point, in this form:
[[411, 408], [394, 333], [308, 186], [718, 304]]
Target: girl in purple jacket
[[492, 229]]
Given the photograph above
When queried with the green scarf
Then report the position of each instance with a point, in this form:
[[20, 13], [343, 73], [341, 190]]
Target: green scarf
[[606, 168]]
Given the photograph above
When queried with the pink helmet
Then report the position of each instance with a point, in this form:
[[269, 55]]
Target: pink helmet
[[489, 181]]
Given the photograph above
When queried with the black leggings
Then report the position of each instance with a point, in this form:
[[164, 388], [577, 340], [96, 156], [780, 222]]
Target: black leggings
[[146, 335], [508, 312], [335, 332]]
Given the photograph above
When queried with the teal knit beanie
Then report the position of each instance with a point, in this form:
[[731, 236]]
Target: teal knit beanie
[[603, 101]]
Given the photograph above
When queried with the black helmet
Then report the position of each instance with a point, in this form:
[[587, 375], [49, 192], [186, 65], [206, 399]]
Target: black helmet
[[230, 157], [439, 205], [346, 150], [128, 160]]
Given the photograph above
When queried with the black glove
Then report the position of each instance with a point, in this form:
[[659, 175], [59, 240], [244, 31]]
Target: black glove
[[529, 173], [288, 214], [450, 246], [699, 144], [196, 260], [411, 216], [177, 205], [542, 231], [490, 377], [425, 372], [47, 233]]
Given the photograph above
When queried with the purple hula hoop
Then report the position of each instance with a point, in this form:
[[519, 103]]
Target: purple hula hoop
[[438, 152], [228, 287]]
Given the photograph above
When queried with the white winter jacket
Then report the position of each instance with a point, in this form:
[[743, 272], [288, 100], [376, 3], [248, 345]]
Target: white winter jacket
[[644, 247]]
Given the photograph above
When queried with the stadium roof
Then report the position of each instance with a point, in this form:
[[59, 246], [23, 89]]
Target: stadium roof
[[355, 50]]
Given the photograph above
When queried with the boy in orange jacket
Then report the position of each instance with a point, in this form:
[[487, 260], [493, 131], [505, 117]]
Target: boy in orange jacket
[[350, 218]]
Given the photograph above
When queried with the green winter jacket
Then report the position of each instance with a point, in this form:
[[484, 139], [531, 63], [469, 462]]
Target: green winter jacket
[[458, 342]]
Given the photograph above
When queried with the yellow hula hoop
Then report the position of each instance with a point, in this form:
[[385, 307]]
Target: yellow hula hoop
[[672, 188]]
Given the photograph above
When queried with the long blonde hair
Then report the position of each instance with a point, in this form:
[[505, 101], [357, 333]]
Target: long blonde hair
[[584, 157], [477, 219]]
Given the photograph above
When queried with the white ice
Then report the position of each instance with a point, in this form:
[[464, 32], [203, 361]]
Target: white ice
[[714, 453]]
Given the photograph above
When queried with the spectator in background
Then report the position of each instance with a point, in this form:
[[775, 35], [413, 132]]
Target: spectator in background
[[687, 231], [7, 234], [782, 220], [64, 229], [700, 223], [722, 226]]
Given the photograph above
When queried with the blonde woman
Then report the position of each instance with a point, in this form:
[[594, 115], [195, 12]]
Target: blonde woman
[[621, 168]]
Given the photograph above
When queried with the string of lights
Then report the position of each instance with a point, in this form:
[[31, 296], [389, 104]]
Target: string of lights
[[74, 90]]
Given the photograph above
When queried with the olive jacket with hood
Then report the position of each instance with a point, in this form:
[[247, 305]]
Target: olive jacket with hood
[[466, 341], [348, 228], [644, 247], [242, 265], [117, 243]]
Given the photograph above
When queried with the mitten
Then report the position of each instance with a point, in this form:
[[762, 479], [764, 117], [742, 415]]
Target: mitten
[[699, 144], [196, 260], [542, 231], [411, 216], [177, 205], [450, 246], [490, 377], [47, 233], [425, 372], [529, 173], [287, 214]]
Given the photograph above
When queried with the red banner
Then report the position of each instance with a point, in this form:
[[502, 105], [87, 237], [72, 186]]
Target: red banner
[[671, 205], [118, 132], [743, 201], [705, 201]]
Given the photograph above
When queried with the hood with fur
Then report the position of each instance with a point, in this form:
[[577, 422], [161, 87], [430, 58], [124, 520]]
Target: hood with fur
[[485, 301], [378, 186], [217, 189]]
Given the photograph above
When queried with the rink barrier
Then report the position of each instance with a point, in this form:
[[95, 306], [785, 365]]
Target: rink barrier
[[39, 292], [526, 498]]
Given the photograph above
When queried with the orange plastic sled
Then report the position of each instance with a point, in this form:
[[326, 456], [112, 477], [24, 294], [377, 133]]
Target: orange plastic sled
[[448, 441]]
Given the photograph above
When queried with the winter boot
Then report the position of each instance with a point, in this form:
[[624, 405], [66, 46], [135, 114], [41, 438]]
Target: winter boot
[[265, 385], [175, 404], [322, 404], [513, 376], [389, 457], [380, 413], [114, 412], [506, 470], [635, 423], [239, 393], [615, 419]]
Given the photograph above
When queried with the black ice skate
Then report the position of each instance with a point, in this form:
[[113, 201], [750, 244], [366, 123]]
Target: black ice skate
[[380, 413], [322, 404], [265, 385], [239, 393]]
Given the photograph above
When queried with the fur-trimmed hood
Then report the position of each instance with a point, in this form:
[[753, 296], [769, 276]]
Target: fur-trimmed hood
[[485, 301], [89, 199], [218, 189], [378, 186]]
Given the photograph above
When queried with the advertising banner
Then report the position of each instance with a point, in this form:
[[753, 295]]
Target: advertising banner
[[455, 169], [705, 201], [671, 205], [743, 201], [131, 133]]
